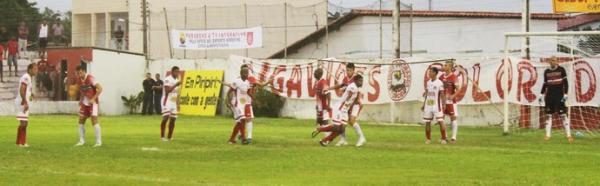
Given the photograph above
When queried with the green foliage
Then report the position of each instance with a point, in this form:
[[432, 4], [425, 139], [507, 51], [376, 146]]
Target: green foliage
[[15, 11], [266, 103], [133, 102]]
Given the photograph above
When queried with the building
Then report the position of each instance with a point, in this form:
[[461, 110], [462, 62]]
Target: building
[[94, 22], [435, 33], [580, 22]]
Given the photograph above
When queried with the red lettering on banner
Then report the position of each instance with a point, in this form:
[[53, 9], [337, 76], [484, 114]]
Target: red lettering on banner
[[279, 80], [500, 73], [462, 75], [525, 87], [477, 94], [262, 76], [309, 80], [294, 83], [582, 68], [371, 97]]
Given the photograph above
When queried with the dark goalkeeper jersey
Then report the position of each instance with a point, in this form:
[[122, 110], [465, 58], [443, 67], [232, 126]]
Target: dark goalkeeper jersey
[[555, 82]]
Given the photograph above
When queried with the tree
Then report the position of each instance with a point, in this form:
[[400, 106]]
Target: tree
[[15, 11]]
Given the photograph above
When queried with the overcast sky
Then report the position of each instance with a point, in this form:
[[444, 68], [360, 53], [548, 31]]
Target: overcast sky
[[471, 5]]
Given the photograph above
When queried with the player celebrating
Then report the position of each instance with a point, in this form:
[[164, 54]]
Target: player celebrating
[[554, 92], [253, 84], [343, 110], [450, 86], [23, 103], [90, 91], [170, 103], [239, 100], [354, 111], [434, 105]]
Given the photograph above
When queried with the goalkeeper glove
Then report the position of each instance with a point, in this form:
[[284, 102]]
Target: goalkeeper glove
[[564, 99], [541, 99]]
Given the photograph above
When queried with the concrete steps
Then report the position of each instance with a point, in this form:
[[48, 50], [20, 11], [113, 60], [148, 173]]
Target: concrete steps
[[8, 89]]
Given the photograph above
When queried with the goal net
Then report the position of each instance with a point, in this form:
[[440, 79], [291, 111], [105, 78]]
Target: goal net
[[528, 56]]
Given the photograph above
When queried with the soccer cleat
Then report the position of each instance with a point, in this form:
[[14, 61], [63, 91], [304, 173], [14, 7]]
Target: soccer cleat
[[23, 145], [570, 138], [443, 141], [361, 142], [427, 141], [315, 133], [164, 139], [453, 141], [324, 143], [98, 145], [231, 142], [547, 138], [81, 143], [341, 143]]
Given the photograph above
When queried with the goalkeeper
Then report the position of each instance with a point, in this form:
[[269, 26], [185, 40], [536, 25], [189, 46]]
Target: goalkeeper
[[554, 93]]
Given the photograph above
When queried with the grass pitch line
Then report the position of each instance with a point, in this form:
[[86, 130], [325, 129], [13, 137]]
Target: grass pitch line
[[150, 149]]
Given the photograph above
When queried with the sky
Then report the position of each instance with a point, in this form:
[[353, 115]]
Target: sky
[[467, 5]]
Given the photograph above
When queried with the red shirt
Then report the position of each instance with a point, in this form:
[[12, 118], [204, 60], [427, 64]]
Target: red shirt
[[252, 81], [87, 86], [13, 47], [322, 101], [449, 81], [1, 52], [347, 80]]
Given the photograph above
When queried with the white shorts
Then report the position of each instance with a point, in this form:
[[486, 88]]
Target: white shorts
[[22, 115], [170, 109], [241, 112], [340, 117], [429, 113]]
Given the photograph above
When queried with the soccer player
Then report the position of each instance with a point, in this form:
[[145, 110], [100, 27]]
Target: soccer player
[[323, 98], [554, 92], [451, 87], [434, 105], [239, 100], [170, 103], [343, 110], [354, 111], [23, 103], [90, 90]]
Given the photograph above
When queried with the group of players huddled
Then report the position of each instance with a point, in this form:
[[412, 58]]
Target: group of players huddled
[[439, 101]]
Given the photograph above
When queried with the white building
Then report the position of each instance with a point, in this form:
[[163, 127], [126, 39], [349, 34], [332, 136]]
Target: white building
[[435, 33], [94, 22]]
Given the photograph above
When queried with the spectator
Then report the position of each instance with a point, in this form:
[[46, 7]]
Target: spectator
[[54, 79], [1, 63], [13, 54], [43, 38], [147, 106], [23, 36], [119, 34], [4, 38], [57, 31], [42, 76], [158, 86]]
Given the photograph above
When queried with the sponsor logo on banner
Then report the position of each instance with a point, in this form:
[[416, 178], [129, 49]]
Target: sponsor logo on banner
[[250, 38], [200, 91], [576, 6], [482, 81]]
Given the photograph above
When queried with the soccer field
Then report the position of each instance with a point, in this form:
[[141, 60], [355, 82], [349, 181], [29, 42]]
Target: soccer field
[[284, 154]]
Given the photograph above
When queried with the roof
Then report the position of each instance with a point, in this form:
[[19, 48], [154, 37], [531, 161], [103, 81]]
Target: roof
[[336, 24], [578, 20]]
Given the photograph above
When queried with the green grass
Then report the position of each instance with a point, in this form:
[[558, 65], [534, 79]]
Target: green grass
[[284, 154]]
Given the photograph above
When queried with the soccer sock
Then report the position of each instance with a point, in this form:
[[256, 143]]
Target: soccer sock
[[19, 134], [566, 125], [548, 125], [81, 133], [242, 129], [428, 131], [234, 132], [249, 130], [163, 125], [24, 135], [358, 130], [443, 131], [454, 129], [98, 133], [171, 127], [325, 128]]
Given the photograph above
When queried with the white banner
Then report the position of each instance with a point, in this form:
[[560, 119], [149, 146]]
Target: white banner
[[481, 81], [217, 39]]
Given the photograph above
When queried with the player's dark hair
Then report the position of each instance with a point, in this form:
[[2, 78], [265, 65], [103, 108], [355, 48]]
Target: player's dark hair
[[244, 66], [80, 68], [357, 77], [318, 73], [435, 70], [174, 68], [350, 65], [30, 66]]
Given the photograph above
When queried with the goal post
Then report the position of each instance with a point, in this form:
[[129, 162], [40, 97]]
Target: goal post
[[574, 49]]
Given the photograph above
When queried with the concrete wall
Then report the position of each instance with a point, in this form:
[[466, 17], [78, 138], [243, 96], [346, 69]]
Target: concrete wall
[[359, 38], [8, 108]]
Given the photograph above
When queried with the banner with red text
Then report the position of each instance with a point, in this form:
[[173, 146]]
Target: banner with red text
[[481, 81], [217, 39]]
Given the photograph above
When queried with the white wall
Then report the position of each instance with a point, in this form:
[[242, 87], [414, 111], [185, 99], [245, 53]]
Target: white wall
[[8, 108], [120, 74]]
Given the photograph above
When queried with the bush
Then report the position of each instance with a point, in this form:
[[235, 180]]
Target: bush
[[133, 102], [267, 104]]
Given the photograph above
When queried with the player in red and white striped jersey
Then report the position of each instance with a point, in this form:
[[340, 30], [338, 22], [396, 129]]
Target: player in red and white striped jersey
[[434, 105], [323, 98], [23, 103], [449, 78], [354, 111], [90, 91]]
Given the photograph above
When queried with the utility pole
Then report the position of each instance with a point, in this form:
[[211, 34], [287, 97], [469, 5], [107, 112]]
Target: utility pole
[[396, 27], [145, 27], [525, 19]]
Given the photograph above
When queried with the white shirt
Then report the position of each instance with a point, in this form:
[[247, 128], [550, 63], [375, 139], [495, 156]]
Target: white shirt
[[433, 95], [170, 96], [349, 98], [25, 81], [43, 31], [241, 88]]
